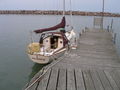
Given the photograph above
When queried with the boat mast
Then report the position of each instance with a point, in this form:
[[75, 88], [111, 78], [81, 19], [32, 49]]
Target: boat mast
[[71, 22], [63, 7], [103, 3]]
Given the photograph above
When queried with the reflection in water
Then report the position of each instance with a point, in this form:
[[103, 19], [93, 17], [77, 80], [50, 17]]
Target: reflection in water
[[35, 69]]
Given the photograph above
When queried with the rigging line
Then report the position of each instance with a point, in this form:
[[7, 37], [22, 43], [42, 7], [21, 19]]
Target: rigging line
[[31, 37]]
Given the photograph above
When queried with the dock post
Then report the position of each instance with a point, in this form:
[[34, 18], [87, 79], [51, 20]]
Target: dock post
[[111, 24], [114, 38], [79, 34], [108, 28], [82, 30]]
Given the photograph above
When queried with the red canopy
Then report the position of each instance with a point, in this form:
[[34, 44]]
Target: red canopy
[[60, 25]]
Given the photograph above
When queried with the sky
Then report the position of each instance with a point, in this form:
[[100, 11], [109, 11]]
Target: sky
[[81, 5]]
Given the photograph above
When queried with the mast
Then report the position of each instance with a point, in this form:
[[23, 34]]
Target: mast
[[71, 22], [63, 7], [102, 14]]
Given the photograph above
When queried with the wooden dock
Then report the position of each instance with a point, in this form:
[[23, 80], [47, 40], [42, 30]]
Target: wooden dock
[[94, 65]]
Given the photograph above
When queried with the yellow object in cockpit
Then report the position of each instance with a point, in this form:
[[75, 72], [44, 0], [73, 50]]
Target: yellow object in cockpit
[[33, 47]]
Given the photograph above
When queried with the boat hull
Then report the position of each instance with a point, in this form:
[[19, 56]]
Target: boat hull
[[41, 59]]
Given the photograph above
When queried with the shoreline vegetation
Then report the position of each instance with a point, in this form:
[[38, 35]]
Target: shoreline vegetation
[[55, 12]]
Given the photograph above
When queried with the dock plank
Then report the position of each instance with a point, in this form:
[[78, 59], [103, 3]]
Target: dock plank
[[70, 80], [34, 87], [96, 80], [44, 82], [116, 77], [112, 82], [53, 79], [88, 80], [104, 80], [79, 80], [62, 80]]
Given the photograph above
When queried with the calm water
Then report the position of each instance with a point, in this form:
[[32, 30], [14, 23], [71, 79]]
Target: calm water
[[15, 67]]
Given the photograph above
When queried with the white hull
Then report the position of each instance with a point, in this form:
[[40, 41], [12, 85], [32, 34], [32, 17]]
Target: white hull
[[51, 48], [41, 59]]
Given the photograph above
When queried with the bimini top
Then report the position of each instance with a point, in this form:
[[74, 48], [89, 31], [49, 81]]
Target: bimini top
[[60, 25]]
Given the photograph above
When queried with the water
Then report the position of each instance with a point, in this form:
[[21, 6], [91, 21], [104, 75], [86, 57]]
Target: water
[[15, 67]]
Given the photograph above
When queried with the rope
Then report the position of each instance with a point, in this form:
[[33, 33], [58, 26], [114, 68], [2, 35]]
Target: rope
[[44, 72]]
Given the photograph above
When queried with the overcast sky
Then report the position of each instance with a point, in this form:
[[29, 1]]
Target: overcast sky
[[81, 5]]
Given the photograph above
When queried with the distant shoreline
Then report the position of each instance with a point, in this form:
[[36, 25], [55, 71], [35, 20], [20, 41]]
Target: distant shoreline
[[55, 12]]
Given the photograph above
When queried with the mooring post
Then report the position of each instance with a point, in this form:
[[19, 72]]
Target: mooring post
[[79, 34], [82, 30], [108, 28], [111, 27], [115, 37], [86, 28]]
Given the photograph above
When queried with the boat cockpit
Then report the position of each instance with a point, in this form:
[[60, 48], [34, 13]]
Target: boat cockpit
[[51, 42]]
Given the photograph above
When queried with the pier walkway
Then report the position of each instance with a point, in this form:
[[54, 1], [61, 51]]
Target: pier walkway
[[94, 65]]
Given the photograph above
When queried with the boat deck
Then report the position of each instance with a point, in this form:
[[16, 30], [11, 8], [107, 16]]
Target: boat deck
[[94, 65]]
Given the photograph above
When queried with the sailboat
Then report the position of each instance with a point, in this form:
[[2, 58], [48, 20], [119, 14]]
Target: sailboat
[[53, 43]]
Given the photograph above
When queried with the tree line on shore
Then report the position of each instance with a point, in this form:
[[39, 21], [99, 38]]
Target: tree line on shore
[[55, 12]]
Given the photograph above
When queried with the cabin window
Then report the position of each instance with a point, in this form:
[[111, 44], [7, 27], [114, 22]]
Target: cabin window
[[61, 42], [54, 42]]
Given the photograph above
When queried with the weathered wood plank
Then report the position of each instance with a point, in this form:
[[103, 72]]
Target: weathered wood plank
[[62, 80], [116, 77], [34, 87], [104, 80], [88, 80], [118, 71], [79, 80], [96, 80], [70, 80], [112, 82], [44, 82], [53, 79]]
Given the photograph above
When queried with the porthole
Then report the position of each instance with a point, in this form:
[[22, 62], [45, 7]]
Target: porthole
[[60, 41]]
